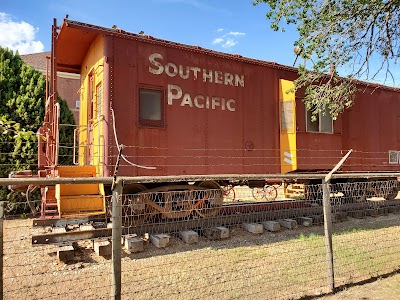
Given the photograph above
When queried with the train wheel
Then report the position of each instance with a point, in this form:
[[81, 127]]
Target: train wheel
[[209, 200], [270, 192], [135, 205], [229, 193], [178, 203], [258, 193]]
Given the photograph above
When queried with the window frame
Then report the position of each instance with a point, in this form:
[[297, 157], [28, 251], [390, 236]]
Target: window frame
[[147, 123], [308, 114], [99, 100]]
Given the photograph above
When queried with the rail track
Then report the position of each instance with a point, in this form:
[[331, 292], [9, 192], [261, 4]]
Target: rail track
[[230, 214]]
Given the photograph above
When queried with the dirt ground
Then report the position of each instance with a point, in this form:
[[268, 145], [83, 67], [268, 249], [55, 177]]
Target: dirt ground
[[284, 265], [381, 289]]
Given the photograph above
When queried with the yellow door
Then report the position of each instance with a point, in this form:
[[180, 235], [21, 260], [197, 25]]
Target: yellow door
[[287, 112]]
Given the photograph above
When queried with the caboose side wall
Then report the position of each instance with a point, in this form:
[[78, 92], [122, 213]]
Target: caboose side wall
[[197, 138], [310, 150], [91, 136], [239, 137], [317, 150], [371, 127]]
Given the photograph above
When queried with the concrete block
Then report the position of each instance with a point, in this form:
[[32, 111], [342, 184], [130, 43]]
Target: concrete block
[[86, 227], [127, 236], [65, 253], [212, 233], [272, 226], [253, 227], [288, 223], [189, 236], [102, 247], [59, 230], [216, 233], [160, 240], [133, 244], [305, 221], [224, 232]]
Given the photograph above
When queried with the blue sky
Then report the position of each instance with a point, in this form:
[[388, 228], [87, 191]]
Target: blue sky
[[224, 25], [232, 26]]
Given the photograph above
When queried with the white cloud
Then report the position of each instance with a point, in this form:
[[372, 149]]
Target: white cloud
[[228, 40], [220, 29], [217, 41], [229, 43], [236, 33], [18, 35]]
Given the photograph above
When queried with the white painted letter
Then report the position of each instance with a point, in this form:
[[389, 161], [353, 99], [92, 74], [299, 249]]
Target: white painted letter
[[207, 75], [239, 80], [173, 95], [223, 103], [183, 76], [168, 66], [207, 102], [228, 79], [218, 77], [215, 102], [196, 101], [152, 59], [195, 70], [229, 104], [186, 100]]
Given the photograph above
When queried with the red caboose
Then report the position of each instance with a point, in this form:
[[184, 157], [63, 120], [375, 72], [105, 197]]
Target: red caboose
[[184, 110]]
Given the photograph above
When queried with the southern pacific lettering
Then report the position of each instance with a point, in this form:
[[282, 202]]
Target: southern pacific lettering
[[185, 99], [200, 101], [194, 73]]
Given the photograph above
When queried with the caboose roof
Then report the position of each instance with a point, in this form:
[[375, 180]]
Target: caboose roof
[[73, 42], [74, 39]]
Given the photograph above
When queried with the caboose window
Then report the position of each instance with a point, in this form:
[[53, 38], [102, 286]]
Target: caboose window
[[323, 123], [151, 108]]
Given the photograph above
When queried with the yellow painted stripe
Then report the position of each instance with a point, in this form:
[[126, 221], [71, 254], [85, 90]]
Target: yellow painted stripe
[[287, 119]]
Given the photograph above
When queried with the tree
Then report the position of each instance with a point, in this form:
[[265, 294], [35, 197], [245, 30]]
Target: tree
[[22, 105], [347, 36]]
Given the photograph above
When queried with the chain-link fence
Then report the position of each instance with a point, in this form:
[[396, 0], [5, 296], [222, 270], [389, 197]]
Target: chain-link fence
[[197, 241]]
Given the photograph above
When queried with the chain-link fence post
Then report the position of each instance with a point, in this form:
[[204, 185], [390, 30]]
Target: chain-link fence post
[[116, 240], [328, 222], [328, 235]]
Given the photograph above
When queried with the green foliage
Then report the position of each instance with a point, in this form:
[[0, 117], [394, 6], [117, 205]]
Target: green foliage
[[66, 134], [22, 105], [21, 111], [338, 35], [311, 236]]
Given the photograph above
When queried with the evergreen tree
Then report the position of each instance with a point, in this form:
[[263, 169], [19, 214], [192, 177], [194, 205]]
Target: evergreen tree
[[22, 105]]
